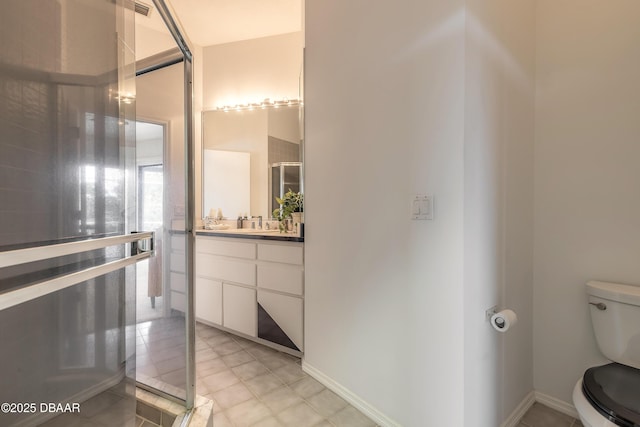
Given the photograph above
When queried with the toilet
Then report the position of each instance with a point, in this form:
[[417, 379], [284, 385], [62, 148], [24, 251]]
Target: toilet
[[609, 395]]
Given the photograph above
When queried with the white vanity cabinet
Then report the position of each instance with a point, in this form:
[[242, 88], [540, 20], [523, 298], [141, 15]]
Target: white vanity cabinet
[[280, 283], [252, 286], [225, 283]]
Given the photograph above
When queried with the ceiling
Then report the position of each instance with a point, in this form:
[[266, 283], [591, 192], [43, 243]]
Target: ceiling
[[209, 22]]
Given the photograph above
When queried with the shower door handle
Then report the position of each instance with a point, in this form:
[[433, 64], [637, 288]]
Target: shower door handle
[[33, 291], [39, 253]]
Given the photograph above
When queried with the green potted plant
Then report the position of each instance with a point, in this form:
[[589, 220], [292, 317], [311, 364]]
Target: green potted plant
[[291, 206]]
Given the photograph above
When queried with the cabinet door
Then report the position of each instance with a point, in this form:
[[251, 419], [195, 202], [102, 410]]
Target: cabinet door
[[280, 319], [209, 300], [239, 309]]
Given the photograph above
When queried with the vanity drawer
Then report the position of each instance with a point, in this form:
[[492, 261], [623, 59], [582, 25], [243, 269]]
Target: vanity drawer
[[225, 269], [226, 248], [288, 254], [281, 277]]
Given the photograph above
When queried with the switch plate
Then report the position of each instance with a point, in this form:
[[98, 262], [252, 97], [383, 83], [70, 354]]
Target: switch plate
[[422, 207]]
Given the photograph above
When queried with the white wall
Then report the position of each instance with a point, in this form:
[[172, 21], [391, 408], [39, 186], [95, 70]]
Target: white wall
[[498, 205], [442, 105], [587, 210], [150, 42], [384, 106], [252, 70]]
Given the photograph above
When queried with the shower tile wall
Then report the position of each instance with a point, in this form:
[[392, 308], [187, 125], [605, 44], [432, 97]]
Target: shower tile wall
[[27, 118], [58, 121], [282, 151]]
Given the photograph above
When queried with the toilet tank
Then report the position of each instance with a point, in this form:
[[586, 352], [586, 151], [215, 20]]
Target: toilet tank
[[615, 315]]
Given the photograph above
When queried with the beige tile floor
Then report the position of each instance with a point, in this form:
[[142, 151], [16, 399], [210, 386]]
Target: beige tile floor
[[250, 384], [542, 416], [254, 385], [105, 407], [160, 351]]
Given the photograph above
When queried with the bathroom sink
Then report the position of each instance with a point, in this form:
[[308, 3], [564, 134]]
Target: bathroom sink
[[217, 227]]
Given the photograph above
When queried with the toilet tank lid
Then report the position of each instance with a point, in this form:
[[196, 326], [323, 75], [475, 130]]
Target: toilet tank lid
[[628, 294]]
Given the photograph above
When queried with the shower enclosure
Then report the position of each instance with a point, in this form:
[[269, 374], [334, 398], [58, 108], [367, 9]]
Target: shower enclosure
[[285, 176], [68, 240]]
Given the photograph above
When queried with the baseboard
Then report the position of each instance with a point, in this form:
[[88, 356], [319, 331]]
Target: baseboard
[[374, 414], [535, 396], [557, 404], [514, 418], [382, 420]]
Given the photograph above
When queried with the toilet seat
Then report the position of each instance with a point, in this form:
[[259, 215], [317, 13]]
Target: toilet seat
[[614, 391]]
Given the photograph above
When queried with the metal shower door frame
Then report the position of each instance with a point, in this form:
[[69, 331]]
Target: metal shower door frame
[[177, 32]]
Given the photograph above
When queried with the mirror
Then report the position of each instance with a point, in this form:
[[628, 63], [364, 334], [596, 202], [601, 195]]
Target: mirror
[[242, 149]]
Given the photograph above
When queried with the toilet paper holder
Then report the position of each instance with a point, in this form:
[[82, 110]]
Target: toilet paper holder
[[500, 320]]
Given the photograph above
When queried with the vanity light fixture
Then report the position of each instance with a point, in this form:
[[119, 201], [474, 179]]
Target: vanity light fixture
[[267, 102]]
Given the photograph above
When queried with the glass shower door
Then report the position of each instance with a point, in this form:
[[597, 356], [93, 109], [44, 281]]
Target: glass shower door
[[67, 303]]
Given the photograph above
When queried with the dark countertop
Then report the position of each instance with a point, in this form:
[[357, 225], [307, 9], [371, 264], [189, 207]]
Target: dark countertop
[[257, 235]]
